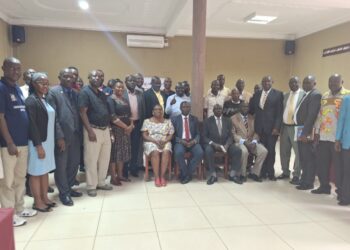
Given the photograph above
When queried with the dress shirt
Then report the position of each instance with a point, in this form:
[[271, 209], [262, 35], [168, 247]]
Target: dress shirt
[[292, 94], [25, 90], [174, 110], [262, 101], [183, 126], [160, 98], [133, 106], [241, 141], [211, 100], [226, 92]]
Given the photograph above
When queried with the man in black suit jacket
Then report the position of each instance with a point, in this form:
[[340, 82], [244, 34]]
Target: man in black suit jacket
[[306, 115], [217, 136], [267, 106], [186, 140], [68, 135], [136, 103], [153, 96]]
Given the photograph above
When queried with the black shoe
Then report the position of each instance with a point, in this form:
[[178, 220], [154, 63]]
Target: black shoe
[[263, 176], [254, 177], [304, 187], [186, 180], [212, 180], [283, 176], [50, 190], [235, 179], [76, 183], [343, 203], [134, 174], [295, 181], [66, 200], [321, 190], [243, 178], [75, 194], [272, 178], [82, 168]]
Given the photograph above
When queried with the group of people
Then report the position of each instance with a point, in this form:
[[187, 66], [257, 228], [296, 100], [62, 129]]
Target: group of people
[[113, 129]]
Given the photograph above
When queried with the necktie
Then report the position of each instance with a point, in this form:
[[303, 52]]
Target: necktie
[[263, 100], [219, 125], [291, 110], [187, 130], [245, 120]]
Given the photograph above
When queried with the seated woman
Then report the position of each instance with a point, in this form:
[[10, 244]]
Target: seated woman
[[121, 128], [157, 135], [41, 158]]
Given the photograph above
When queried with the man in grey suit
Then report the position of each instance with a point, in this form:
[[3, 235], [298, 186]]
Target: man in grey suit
[[287, 142], [67, 134], [136, 103], [305, 117], [218, 137]]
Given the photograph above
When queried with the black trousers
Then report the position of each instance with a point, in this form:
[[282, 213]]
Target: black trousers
[[269, 141], [136, 147], [343, 176], [325, 156], [307, 163], [67, 164]]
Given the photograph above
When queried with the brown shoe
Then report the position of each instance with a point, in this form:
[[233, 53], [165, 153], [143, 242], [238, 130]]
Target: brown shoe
[[116, 182]]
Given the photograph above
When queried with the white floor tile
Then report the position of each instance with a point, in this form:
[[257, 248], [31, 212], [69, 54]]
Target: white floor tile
[[125, 201], [66, 244], [171, 199], [213, 197]]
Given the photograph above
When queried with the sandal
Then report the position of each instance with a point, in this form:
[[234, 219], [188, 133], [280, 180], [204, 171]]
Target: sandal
[[52, 204], [43, 210], [116, 182], [125, 179]]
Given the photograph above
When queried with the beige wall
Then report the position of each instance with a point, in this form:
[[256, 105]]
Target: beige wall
[[50, 49], [5, 44], [308, 58]]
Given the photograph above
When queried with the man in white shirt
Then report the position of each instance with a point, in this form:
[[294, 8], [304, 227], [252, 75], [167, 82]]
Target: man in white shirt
[[27, 78], [287, 142], [213, 98], [172, 107]]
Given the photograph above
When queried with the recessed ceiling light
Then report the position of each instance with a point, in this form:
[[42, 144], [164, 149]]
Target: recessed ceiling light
[[84, 5], [259, 19]]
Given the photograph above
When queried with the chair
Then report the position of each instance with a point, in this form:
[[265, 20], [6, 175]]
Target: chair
[[225, 157], [200, 168], [147, 160]]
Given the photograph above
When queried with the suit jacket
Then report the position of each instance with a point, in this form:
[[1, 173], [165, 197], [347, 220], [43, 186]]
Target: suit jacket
[[343, 125], [67, 112], [140, 103], [239, 130], [150, 101], [38, 119], [270, 117], [178, 126], [308, 110], [211, 132]]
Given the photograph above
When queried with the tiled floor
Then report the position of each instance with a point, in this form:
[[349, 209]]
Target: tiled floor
[[268, 215]]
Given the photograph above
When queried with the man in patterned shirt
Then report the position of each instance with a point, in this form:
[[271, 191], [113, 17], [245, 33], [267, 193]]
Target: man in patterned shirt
[[325, 129]]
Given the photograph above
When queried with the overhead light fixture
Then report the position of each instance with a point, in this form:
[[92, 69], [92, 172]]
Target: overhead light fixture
[[84, 5], [259, 19]]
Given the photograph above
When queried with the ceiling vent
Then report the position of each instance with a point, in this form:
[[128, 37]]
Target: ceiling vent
[[142, 41]]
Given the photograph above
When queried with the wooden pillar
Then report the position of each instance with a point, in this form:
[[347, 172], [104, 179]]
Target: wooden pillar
[[198, 56]]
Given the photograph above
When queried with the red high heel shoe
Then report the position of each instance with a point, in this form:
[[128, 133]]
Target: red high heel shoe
[[157, 182], [163, 182]]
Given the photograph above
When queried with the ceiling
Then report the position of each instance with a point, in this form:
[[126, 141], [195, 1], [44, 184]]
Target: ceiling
[[225, 18]]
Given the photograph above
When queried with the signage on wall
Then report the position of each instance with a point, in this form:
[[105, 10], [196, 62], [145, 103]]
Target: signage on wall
[[336, 50]]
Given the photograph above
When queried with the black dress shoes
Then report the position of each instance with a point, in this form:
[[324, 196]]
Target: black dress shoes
[[254, 177], [272, 178], [186, 180], [66, 200], [235, 179], [75, 194], [343, 203], [243, 178], [50, 190], [134, 174], [321, 190], [295, 181], [212, 180], [283, 176], [304, 187]]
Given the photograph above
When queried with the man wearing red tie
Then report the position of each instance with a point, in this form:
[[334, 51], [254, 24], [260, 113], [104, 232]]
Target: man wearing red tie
[[186, 140]]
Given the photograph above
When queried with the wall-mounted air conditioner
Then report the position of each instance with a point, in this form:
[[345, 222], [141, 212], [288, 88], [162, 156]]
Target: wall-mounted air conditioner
[[141, 41]]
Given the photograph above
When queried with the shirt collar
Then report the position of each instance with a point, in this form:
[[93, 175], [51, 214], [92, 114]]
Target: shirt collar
[[183, 117]]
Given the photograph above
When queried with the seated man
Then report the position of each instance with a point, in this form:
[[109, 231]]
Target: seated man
[[186, 140], [247, 140], [217, 137]]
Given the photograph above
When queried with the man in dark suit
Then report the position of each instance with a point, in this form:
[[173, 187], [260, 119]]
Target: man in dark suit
[[217, 137], [68, 135], [153, 96], [186, 140], [267, 106], [305, 116], [136, 103]]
